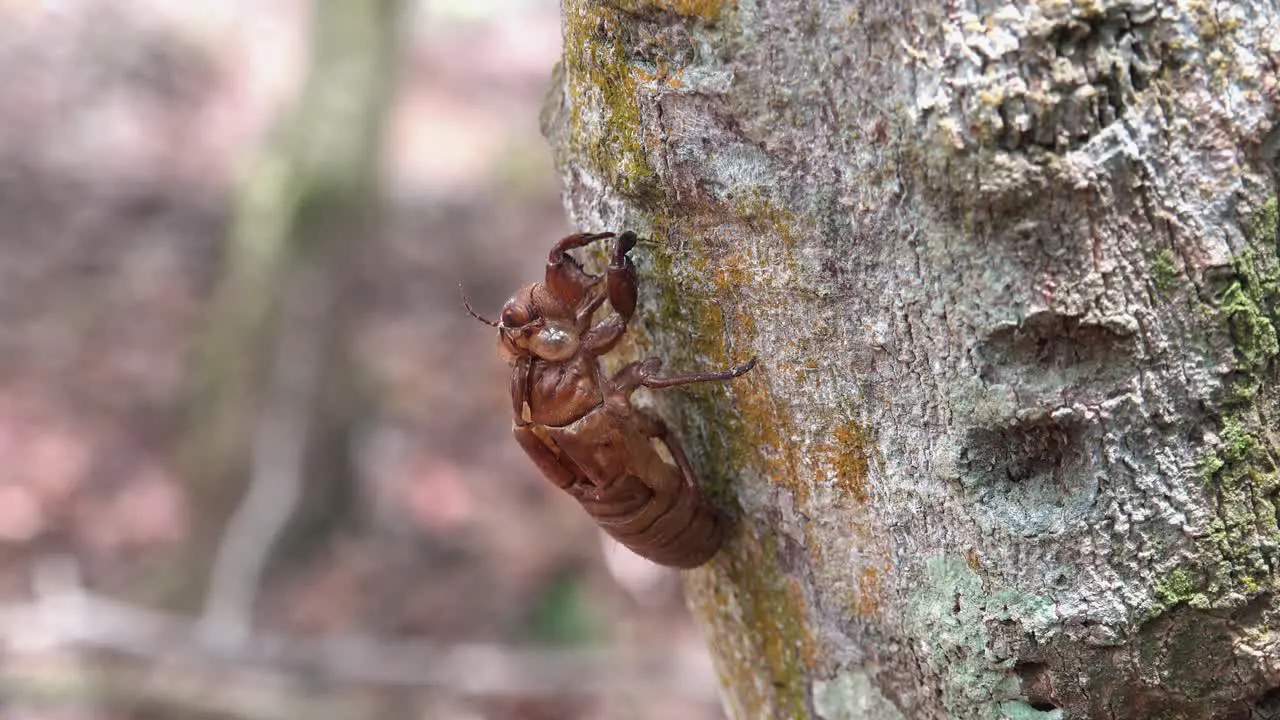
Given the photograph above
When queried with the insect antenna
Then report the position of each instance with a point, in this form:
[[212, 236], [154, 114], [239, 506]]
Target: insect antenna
[[467, 303]]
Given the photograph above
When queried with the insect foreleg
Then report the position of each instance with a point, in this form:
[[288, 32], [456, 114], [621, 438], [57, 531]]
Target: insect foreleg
[[572, 242], [520, 387], [621, 276], [622, 286], [653, 381], [645, 373], [565, 278], [561, 471], [595, 297]]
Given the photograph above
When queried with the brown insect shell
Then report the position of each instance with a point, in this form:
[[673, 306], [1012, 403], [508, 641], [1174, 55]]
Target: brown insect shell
[[534, 322], [581, 429]]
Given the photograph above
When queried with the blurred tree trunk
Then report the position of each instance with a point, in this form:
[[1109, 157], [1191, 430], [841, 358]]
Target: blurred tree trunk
[[1011, 272], [267, 457]]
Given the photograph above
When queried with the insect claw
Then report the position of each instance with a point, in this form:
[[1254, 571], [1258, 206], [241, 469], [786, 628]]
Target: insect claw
[[625, 242], [467, 304]]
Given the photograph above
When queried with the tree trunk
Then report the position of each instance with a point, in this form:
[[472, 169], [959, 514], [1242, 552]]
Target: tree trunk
[[1010, 269]]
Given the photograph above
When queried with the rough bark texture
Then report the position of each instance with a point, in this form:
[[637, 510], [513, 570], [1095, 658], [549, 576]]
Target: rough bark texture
[[1011, 273]]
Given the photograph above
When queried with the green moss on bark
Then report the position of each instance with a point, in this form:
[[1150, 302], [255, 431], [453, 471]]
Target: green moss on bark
[[756, 617], [1237, 559], [1177, 587], [599, 73], [1164, 270]]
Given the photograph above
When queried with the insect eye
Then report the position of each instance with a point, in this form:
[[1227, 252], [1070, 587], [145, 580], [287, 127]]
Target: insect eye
[[514, 316]]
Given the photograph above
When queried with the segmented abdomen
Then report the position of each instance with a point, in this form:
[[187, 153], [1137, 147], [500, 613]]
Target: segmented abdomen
[[679, 529], [635, 495]]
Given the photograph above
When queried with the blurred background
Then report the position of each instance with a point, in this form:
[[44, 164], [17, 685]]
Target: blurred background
[[255, 459]]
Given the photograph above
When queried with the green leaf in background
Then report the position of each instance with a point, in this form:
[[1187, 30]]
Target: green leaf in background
[[562, 614]]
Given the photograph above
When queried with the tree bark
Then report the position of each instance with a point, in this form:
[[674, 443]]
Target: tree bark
[[1010, 268]]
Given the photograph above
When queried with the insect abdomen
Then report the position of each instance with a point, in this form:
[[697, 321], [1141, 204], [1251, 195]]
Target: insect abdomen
[[678, 529]]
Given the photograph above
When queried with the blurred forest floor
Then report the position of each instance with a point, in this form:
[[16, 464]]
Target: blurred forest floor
[[123, 126]]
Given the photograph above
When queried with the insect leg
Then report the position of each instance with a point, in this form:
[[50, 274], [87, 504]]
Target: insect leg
[[623, 286], [559, 470], [645, 373], [572, 242], [520, 387], [652, 425], [652, 381], [633, 374], [594, 298], [622, 281], [565, 278]]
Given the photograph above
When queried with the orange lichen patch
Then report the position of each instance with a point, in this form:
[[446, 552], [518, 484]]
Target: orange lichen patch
[[731, 271], [859, 584], [804, 372], [766, 218], [852, 464], [972, 560], [765, 431], [705, 9], [764, 426], [808, 650], [707, 280], [870, 591], [847, 456], [757, 433], [663, 76]]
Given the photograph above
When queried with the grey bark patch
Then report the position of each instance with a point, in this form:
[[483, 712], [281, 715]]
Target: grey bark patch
[[1047, 79], [1187, 664], [1066, 349], [1034, 477]]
